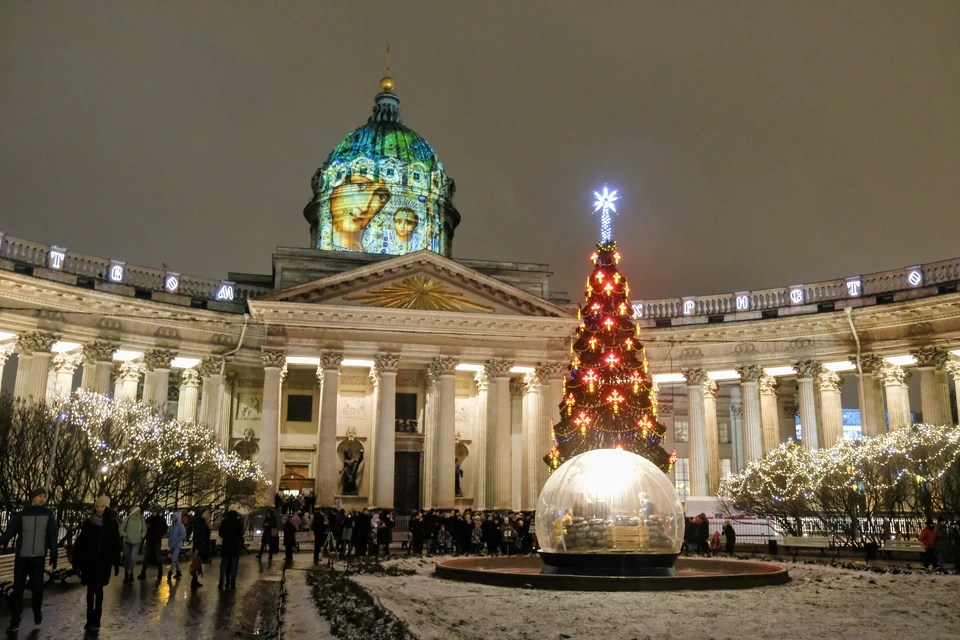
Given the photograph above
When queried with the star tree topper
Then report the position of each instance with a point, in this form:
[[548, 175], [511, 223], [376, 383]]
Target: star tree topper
[[605, 203]]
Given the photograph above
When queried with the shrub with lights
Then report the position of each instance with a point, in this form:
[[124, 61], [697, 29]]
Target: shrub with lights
[[608, 399], [861, 490]]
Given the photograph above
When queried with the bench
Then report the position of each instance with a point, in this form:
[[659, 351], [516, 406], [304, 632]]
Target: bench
[[63, 571], [906, 546], [6, 574], [809, 542], [64, 568]]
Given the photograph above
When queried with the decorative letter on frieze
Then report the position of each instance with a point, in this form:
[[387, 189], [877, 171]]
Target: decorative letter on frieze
[[892, 374], [330, 360], [830, 380], [750, 372], [386, 362], [695, 376], [547, 371], [710, 389], [768, 384], [445, 365], [273, 358], [932, 357], [158, 359], [808, 368], [35, 341], [498, 368], [98, 351]]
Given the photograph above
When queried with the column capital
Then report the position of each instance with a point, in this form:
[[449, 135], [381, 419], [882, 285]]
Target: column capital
[[6, 349], [547, 371], [891, 374], [67, 362], [158, 359], [209, 365], [870, 363], [808, 368], [99, 351], [480, 379], [695, 376], [829, 380], [750, 372], [531, 382], [516, 387], [273, 358], [953, 366], [189, 378], [130, 370], [330, 360], [710, 389], [930, 357], [35, 341], [496, 368], [386, 362], [768, 384], [444, 365]]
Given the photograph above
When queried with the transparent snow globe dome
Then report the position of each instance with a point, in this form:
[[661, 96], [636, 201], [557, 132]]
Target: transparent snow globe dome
[[609, 501]]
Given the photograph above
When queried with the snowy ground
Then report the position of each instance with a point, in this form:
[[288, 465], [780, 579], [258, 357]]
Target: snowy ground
[[300, 616], [820, 602]]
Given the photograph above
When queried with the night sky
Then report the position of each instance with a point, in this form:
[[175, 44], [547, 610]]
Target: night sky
[[754, 144]]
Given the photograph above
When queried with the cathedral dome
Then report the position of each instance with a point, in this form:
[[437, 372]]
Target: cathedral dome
[[382, 190]]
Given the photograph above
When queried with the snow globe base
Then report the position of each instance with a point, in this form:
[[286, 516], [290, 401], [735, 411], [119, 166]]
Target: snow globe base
[[609, 564]]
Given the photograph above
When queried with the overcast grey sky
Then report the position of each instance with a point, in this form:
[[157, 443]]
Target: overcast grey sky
[[754, 144]]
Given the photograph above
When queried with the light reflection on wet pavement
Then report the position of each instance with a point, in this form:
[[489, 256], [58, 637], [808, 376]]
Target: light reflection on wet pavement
[[166, 609]]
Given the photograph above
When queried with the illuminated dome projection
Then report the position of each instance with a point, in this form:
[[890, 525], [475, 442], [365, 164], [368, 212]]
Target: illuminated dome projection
[[382, 190], [609, 512]]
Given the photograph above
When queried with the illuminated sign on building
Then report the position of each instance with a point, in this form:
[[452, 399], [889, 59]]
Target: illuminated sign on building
[[742, 301], [854, 287], [115, 272], [56, 257], [638, 310], [225, 292], [171, 283], [915, 276], [689, 306], [796, 295]]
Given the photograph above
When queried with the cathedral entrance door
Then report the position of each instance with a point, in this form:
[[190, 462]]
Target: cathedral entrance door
[[406, 481]]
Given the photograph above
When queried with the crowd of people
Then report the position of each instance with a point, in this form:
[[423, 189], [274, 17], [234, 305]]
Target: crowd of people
[[938, 540]]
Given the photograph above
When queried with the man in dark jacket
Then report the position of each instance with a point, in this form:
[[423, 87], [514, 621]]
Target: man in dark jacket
[[361, 532], [36, 531], [156, 529], [319, 528], [289, 538], [231, 545]]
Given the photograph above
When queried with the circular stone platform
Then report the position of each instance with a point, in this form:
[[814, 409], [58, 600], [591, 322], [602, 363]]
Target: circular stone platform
[[692, 573]]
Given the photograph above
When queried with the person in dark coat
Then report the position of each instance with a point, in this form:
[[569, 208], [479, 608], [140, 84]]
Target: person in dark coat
[[361, 532], [269, 529], [36, 530], [289, 538], [730, 535], [96, 550], [231, 546], [703, 534], [416, 534], [319, 528], [201, 537], [156, 529]]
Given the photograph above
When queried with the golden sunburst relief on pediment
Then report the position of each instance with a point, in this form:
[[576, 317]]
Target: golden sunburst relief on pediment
[[417, 292]]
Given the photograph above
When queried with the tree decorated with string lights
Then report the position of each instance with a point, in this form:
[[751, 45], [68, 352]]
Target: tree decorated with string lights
[[609, 401]]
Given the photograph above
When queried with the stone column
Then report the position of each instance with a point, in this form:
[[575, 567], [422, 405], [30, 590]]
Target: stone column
[[431, 425], [480, 446], [34, 365], [6, 349], [385, 365], [326, 475], [930, 360], [531, 425], [892, 377], [755, 445], [870, 395], [446, 452], [787, 405], [516, 444], [550, 395], [156, 380], [807, 372], [713, 435], [226, 404], [128, 380], [65, 364], [697, 437], [769, 413], [905, 395], [97, 366], [189, 392], [953, 367], [831, 408], [498, 434], [736, 427], [212, 390]]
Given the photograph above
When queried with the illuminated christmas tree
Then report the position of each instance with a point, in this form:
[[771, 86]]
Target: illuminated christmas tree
[[608, 400]]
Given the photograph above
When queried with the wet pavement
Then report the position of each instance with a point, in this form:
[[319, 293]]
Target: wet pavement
[[166, 609]]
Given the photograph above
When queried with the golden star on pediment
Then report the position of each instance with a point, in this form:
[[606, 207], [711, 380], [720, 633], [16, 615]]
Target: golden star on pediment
[[418, 292]]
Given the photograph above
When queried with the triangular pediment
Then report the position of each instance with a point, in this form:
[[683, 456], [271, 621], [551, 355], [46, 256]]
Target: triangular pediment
[[421, 281]]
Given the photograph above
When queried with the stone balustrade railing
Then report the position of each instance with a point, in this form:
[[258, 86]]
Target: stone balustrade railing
[[53, 258], [927, 279]]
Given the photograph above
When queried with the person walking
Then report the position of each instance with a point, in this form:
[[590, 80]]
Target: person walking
[[175, 538], [133, 530], [96, 550], [156, 529], [266, 539], [348, 534], [943, 544], [289, 538], [231, 545], [201, 537], [730, 537], [36, 531]]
